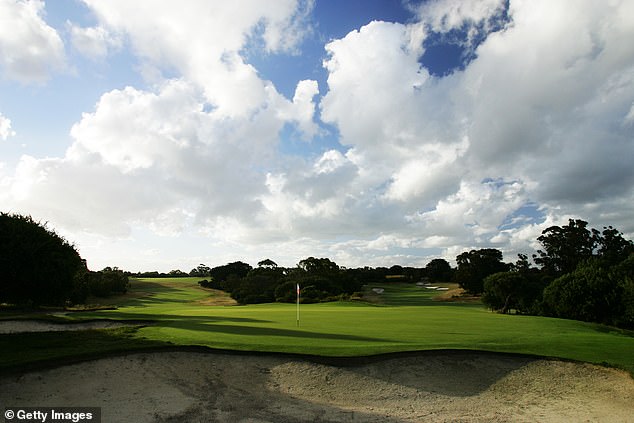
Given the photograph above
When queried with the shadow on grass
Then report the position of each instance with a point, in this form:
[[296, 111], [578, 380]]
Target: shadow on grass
[[28, 351], [154, 317], [216, 324], [154, 293], [199, 326]]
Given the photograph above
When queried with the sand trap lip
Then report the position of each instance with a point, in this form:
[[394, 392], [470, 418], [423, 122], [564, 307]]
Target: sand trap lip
[[197, 386], [30, 325]]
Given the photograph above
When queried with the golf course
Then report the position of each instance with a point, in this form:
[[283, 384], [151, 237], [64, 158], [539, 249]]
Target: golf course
[[178, 321]]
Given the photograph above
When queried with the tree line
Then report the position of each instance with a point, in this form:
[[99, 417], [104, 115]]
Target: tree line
[[578, 273]]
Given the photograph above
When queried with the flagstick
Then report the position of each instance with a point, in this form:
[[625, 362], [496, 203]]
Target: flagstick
[[297, 305]]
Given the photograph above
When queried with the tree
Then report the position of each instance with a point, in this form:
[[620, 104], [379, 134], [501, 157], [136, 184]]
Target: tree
[[439, 270], [321, 266], [502, 291], [237, 269], [475, 265], [624, 274], [564, 247], [36, 264], [613, 248], [519, 289], [104, 283], [267, 263], [200, 270], [590, 293]]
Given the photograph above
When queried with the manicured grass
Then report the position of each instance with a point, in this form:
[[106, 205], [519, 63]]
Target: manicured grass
[[359, 329], [23, 351]]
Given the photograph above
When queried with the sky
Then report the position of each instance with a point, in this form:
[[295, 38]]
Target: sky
[[158, 135]]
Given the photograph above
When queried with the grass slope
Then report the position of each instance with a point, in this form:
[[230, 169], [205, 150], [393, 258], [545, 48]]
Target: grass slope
[[405, 320]]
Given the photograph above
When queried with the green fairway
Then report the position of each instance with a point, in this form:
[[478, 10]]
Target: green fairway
[[356, 328]]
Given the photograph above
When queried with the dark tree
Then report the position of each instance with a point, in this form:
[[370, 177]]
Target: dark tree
[[475, 265], [439, 270], [200, 270], [613, 248], [502, 291], [37, 265], [564, 247], [258, 286], [237, 269], [321, 266], [589, 293], [267, 263]]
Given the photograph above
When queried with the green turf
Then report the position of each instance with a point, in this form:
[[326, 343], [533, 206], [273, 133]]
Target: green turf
[[354, 328]]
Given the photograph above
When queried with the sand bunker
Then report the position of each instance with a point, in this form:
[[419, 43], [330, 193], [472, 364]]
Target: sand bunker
[[438, 387], [19, 326]]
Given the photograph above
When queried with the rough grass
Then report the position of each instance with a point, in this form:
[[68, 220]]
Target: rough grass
[[406, 320]]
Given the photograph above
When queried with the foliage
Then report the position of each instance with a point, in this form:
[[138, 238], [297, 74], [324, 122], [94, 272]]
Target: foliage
[[613, 248], [107, 282], [565, 247], [439, 270], [226, 273], [475, 265], [590, 293], [514, 290], [200, 270], [37, 266], [258, 286]]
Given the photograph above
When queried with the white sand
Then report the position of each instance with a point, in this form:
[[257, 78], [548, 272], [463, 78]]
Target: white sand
[[208, 387]]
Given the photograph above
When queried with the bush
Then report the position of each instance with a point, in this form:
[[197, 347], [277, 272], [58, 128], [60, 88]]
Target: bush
[[37, 266], [590, 293], [519, 291]]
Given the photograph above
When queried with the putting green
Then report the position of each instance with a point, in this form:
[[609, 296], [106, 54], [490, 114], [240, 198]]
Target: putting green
[[356, 328], [405, 319]]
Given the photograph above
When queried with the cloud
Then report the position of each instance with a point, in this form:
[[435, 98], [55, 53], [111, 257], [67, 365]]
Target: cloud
[[553, 117], [5, 128], [536, 128], [202, 42], [29, 49], [446, 15], [93, 42]]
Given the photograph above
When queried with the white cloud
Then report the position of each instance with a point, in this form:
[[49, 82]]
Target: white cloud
[[541, 116], [5, 128], [29, 48], [202, 42], [93, 42], [445, 15]]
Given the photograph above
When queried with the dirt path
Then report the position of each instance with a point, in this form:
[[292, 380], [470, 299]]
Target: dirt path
[[202, 387]]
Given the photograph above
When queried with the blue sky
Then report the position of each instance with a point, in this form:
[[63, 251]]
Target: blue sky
[[156, 136]]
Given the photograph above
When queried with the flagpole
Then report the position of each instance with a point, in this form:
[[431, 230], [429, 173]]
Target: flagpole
[[297, 305]]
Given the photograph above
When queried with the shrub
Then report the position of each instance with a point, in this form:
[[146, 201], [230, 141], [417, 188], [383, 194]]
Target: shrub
[[37, 266]]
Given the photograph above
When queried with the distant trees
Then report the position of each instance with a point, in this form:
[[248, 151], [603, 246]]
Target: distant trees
[[584, 274], [475, 265], [439, 270], [201, 270], [320, 279], [37, 266], [109, 281]]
